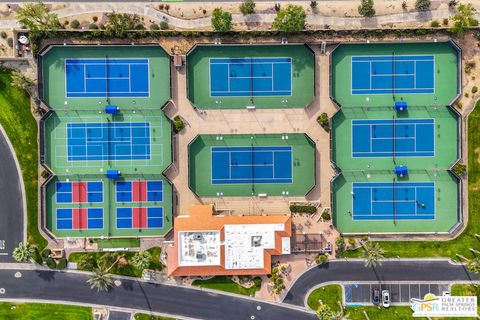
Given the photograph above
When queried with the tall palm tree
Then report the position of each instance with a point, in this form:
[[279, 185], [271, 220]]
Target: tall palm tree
[[372, 253], [141, 260], [474, 251], [25, 252], [324, 312], [100, 280], [474, 265]]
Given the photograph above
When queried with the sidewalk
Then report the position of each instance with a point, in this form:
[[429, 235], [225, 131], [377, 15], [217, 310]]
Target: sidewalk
[[313, 20]]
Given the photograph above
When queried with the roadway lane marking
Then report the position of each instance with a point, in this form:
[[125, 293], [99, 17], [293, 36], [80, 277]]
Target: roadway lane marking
[[18, 274], [2, 244], [3, 253]]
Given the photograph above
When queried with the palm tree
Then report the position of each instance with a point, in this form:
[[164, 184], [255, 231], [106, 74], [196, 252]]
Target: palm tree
[[474, 251], [325, 313], [474, 265], [372, 254], [141, 260], [25, 252], [100, 280]]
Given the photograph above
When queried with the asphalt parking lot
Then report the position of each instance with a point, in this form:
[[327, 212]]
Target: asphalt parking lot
[[118, 315], [400, 293]]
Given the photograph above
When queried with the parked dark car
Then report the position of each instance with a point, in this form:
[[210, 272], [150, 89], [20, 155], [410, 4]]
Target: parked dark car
[[376, 296]]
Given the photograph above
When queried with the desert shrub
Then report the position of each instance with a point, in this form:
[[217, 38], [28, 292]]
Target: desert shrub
[[164, 25], [326, 215], [62, 264], [178, 124], [75, 24], [460, 169], [324, 122], [154, 27], [321, 259]]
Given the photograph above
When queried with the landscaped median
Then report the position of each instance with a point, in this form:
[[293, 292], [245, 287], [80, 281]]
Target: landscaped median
[[224, 283], [89, 261], [144, 316]]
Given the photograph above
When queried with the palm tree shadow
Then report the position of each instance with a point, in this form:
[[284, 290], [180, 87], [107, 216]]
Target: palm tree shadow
[[147, 300], [46, 275]]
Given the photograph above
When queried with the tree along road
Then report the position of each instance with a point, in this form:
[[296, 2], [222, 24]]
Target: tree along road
[[389, 271], [134, 294]]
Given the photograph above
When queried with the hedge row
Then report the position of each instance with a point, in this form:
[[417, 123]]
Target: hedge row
[[303, 209]]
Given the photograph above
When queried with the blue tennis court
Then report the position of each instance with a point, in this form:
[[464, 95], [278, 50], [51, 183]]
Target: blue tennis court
[[393, 74], [139, 218], [79, 218], [139, 191], [108, 141], [245, 77], [393, 201], [97, 78], [254, 164], [389, 137], [79, 192]]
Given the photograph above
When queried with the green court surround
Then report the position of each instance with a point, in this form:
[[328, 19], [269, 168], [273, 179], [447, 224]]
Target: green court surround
[[52, 90], [446, 73], [446, 137], [303, 75], [380, 106], [446, 204], [303, 158], [53, 76]]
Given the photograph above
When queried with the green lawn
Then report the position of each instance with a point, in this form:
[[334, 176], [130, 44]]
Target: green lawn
[[17, 120], [118, 243], [43, 311], [467, 290], [331, 295], [467, 239], [377, 313], [144, 316], [224, 283], [125, 270]]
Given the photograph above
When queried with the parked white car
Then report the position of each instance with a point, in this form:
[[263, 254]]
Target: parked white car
[[385, 298]]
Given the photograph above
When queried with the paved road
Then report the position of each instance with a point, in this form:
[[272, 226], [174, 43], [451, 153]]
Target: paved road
[[337, 271], [181, 301], [11, 203]]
